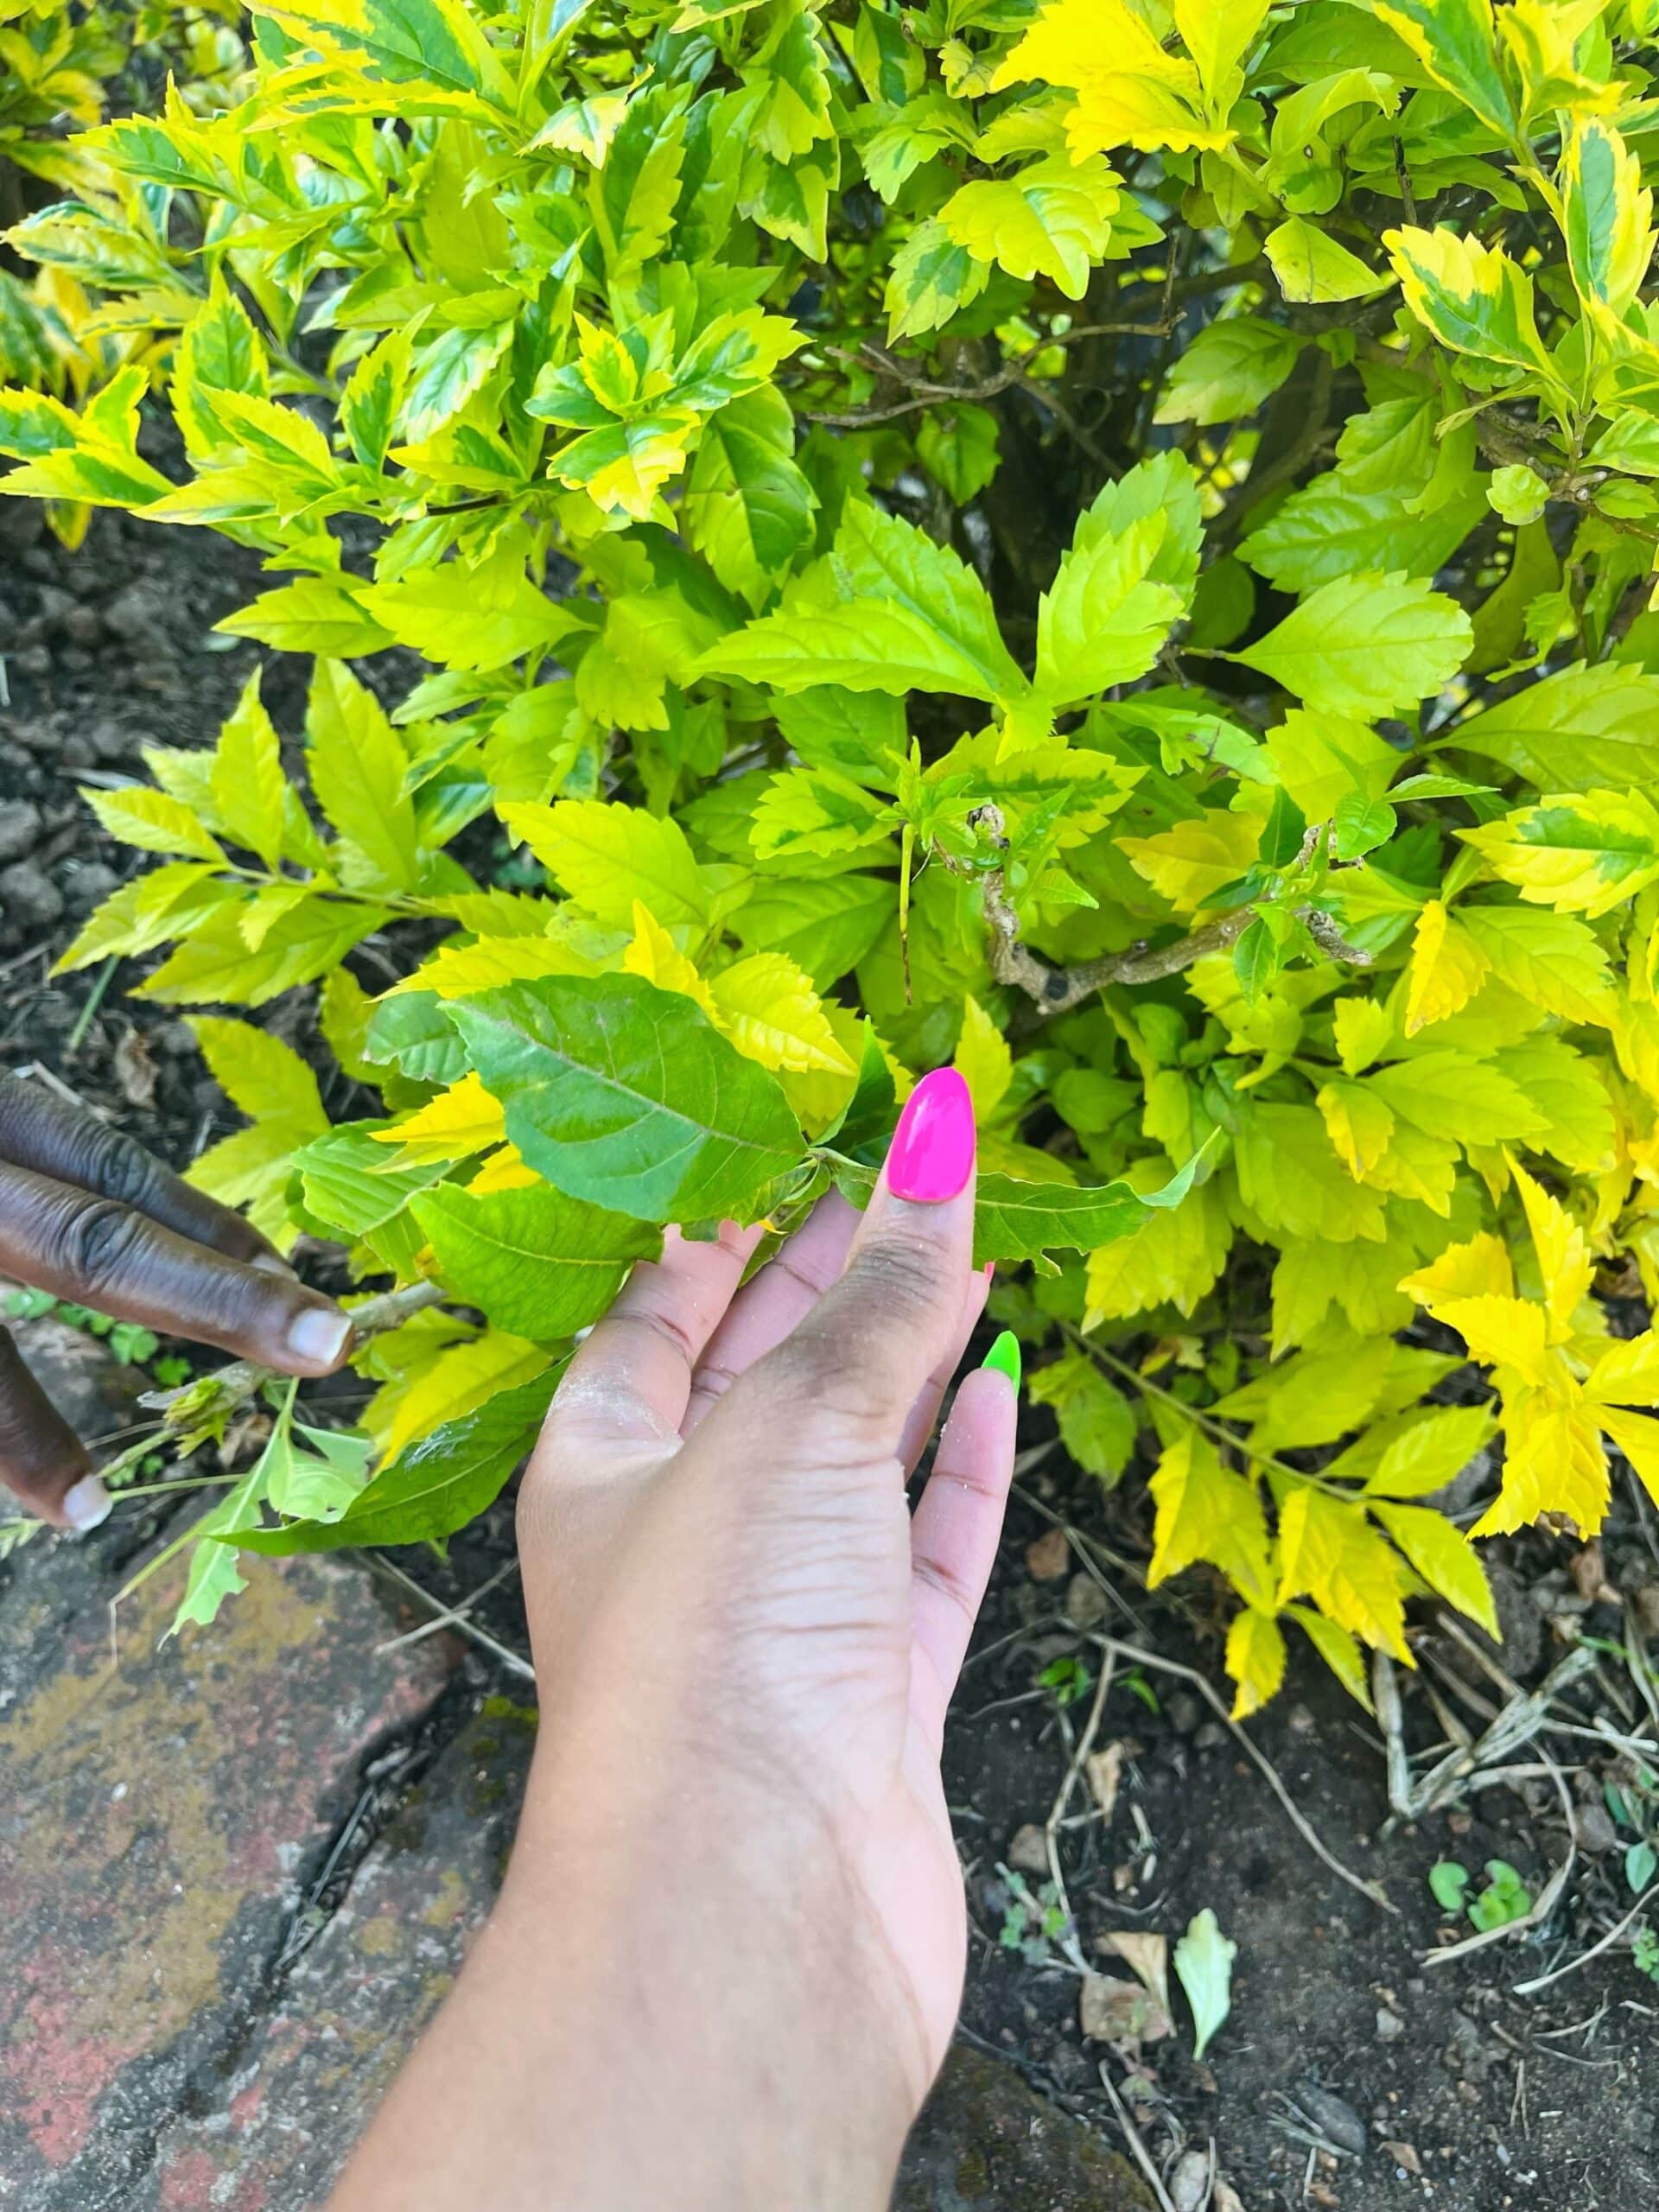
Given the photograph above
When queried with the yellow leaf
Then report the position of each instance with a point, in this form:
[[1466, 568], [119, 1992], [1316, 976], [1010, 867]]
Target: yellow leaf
[[606, 855], [1255, 1660], [459, 1380], [460, 971], [154, 821], [1627, 1373], [1191, 862], [1476, 1269], [457, 1123], [1554, 1462], [1359, 1123], [266, 1078], [1364, 1030], [1564, 1257], [1175, 1255], [770, 1010], [1500, 1332], [1637, 1437], [1205, 1511], [1584, 852], [654, 955], [504, 1169], [1337, 1649], [982, 1060], [1330, 1551], [1447, 968], [1129, 91], [1443, 1555]]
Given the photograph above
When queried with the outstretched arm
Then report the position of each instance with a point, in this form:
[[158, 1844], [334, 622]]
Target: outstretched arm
[[726, 1960]]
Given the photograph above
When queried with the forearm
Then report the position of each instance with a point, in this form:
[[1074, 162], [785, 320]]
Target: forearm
[[632, 2032]]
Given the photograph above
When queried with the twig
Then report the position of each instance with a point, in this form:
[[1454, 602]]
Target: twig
[[1385, 1696], [233, 1386], [1063, 1798], [1377, 1895], [1057, 990], [1543, 1907], [454, 1617], [94, 999], [1132, 2137], [508, 1658], [1518, 1723], [1605, 1943]]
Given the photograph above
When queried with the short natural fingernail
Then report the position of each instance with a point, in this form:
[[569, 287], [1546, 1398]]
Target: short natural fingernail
[[933, 1152], [1003, 1358], [87, 1504], [318, 1336], [272, 1262], [990, 1270]]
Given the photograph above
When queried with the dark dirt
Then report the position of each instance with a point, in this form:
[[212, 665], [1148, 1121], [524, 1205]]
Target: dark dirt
[[1459, 2091]]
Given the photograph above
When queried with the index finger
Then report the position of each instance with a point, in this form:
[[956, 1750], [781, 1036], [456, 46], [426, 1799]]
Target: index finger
[[106, 1255], [52, 1138]]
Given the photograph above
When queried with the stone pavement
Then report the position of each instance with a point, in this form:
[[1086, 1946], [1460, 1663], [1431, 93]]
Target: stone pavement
[[237, 1873]]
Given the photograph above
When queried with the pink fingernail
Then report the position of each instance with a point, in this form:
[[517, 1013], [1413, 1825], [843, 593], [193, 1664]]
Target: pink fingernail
[[990, 1270], [933, 1152]]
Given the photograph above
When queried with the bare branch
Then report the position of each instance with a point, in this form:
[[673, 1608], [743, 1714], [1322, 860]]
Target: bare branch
[[1056, 990]]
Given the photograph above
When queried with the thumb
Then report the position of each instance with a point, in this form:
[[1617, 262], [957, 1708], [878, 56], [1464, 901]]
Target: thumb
[[850, 1372]]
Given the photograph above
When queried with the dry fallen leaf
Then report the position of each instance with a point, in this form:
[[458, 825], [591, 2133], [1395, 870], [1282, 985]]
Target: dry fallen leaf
[[134, 1070], [1149, 1957], [1049, 1556], [1028, 1850], [1105, 1771], [1404, 2155], [1121, 2013], [1225, 2198]]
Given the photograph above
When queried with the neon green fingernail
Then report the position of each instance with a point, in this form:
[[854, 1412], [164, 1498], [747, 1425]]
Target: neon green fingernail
[[1004, 1358]]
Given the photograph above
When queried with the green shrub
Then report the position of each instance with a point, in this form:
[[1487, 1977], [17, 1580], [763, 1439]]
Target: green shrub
[[1111, 542], [64, 65]]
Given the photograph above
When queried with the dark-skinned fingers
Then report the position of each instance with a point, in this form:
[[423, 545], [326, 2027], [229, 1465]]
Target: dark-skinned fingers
[[42, 1461], [53, 1138], [107, 1255]]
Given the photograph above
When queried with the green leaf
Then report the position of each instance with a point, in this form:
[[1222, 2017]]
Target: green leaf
[[1103, 621], [1365, 646], [628, 1097], [316, 615], [1053, 220], [1228, 371], [607, 856], [1312, 265], [887, 610], [433, 1487], [539, 1263], [1448, 1881], [826, 927], [414, 42], [1203, 1962], [1582, 730], [1098, 1423], [358, 765], [248, 784]]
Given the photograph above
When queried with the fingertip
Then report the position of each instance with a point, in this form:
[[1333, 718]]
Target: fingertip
[[931, 1155], [317, 1339], [86, 1506]]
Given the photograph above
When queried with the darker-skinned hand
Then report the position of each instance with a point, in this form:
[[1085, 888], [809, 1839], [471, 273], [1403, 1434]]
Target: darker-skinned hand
[[87, 1214]]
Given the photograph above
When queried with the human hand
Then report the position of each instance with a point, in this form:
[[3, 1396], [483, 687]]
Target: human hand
[[89, 1215], [735, 1871]]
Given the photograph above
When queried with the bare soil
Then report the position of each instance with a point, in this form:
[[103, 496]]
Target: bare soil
[[1354, 2071]]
